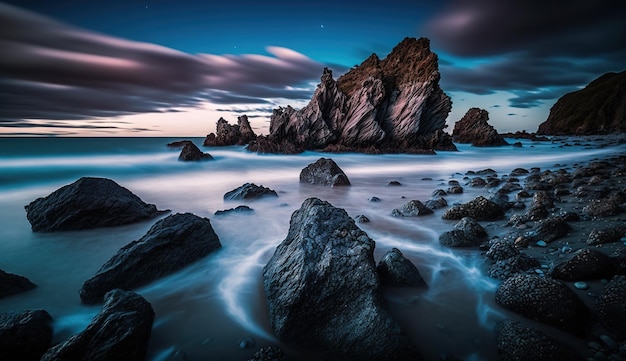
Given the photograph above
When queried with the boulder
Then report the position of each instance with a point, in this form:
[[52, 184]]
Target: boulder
[[323, 291], [610, 306], [120, 331], [585, 264], [599, 108], [413, 209], [85, 204], [325, 172], [520, 263], [171, 244], [25, 335], [473, 128], [191, 153], [606, 235], [389, 105], [11, 284], [602, 208], [249, 191], [517, 342], [397, 271], [501, 249], [466, 233], [479, 209], [551, 229], [436, 203], [545, 300], [227, 134]]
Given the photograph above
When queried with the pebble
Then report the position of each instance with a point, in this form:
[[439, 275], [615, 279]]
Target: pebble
[[541, 244], [538, 271], [246, 342], [566, 249], [374, 199], [581, 285], [609, 342]]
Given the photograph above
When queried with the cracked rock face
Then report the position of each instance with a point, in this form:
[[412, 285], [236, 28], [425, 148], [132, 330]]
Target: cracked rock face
[[323, 291], [392, 104]]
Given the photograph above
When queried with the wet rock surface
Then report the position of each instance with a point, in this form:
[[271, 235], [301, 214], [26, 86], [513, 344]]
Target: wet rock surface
[[11, 284], [545, 300], [25, 335], [516, 341], [120, 331], [191, 153], [611, 308], [322, 288], [466, 233], [85, 204], [397, 271], [479, 209], [171, 244]]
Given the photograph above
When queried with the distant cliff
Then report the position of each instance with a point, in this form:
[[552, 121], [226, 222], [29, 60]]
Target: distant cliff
[[389, 105], [599, 108]]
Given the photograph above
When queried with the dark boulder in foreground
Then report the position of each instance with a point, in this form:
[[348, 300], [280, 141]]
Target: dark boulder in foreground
[[585, 264], [473, 128], [599, 108], [171, 244], [87, 203], [551, 229], [25, 335], [191, 153], [466, 233], [323, 292], [325, 172], [11, 284], [397, 271], [517, 342], [611, 307], [479, 209], [249, 191], [120, 331], [545, 300]]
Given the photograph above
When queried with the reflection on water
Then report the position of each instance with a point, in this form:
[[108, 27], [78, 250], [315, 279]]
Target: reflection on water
[[207, 308]]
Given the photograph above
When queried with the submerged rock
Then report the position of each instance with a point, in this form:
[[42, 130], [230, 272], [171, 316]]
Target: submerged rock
[[323, 291], [25, 335], [325, 172], [239, 209], [249, 191], [120, 331], [87, 203], [396, 270], [545, 300], [171, 244], [474, 128], [11, 284]]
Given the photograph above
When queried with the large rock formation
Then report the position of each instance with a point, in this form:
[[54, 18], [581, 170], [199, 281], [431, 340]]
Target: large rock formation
[[119, 332], [171, 244], [474, 128], [227, 134], [87, 203], [25, 335], [323, 291], [599, 108], [389, 105]]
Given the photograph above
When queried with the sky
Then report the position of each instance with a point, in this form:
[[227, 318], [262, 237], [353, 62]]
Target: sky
[[174, 67]]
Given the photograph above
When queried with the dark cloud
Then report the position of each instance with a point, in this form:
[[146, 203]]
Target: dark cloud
[[521, 46], [50, 70]]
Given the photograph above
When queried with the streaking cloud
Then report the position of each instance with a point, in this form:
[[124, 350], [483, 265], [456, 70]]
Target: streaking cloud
[[51, 70]]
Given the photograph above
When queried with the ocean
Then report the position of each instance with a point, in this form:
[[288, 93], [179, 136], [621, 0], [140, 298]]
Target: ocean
[[206, 309]]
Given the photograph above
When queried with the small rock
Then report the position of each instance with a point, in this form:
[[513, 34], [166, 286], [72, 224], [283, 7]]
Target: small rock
[[581, 285], [394, 183], [249, 191], [238, 209], [541, 244], [361, 219], [374, 199]]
